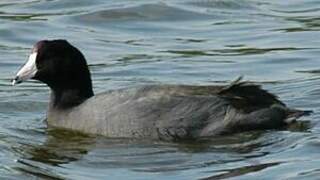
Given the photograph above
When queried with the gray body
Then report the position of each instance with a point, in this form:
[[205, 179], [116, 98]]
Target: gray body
[[171, 112]]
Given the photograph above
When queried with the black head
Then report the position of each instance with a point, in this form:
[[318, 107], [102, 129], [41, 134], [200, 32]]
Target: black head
[[62, 67]]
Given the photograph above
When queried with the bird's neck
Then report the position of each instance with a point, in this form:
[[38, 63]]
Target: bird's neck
[[69, 97]]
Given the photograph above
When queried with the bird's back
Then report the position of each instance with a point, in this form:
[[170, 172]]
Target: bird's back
[[174, 111]]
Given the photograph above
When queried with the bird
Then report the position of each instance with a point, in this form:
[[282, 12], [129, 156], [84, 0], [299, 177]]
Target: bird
[[154, 111]]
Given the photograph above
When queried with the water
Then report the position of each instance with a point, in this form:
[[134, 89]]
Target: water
[[275, 43]]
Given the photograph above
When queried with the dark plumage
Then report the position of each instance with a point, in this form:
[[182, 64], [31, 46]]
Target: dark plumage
[[170, 112]]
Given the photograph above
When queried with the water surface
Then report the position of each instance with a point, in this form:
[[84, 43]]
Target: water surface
[[126, 43]]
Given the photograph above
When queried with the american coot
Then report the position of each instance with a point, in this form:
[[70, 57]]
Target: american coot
[[170, 112]]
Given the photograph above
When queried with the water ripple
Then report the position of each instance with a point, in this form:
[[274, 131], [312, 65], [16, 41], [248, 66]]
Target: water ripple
[[126, 43]]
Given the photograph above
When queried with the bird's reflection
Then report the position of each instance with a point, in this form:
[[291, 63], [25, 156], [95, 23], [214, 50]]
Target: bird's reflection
[[62, 147]]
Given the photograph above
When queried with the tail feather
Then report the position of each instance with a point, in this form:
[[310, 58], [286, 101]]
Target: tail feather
[[294, 114], [248, 96]]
